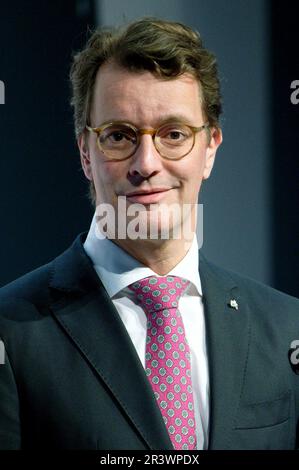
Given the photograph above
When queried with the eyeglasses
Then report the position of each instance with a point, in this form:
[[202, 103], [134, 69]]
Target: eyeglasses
[[119, 140]]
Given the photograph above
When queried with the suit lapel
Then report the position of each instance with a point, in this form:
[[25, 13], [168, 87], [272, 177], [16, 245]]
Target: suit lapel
[[91, 321], [228, 338]]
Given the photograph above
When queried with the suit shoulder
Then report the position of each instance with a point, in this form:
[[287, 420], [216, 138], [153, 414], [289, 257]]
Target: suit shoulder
[[260, 291], [255, 291], [29, 287], [37, 289]]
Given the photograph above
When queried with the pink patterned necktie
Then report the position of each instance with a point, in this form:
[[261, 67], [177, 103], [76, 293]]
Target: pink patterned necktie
[[167, 355]]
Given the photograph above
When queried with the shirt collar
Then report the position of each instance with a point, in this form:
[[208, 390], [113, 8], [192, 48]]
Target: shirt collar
[[117, 268]]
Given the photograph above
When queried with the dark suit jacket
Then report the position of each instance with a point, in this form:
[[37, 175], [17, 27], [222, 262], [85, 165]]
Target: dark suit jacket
[[72, 378]]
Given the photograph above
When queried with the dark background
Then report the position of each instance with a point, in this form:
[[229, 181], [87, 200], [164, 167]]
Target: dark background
[[43, 203], [43, 190], [285, 145]]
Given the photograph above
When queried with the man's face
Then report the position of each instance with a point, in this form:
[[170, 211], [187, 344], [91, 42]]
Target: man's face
[[147, 102]]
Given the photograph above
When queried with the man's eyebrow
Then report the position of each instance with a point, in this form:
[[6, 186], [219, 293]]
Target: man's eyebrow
[[174, 118], [158, 121]]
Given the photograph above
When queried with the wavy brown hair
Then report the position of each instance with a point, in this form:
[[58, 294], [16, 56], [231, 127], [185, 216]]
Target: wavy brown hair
[[165, 48]]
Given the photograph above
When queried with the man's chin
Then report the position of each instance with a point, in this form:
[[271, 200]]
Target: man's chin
[[148, 228], [155, 222]]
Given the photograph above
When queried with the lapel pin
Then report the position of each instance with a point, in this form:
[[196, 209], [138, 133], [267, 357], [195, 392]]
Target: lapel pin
[[233, 304]]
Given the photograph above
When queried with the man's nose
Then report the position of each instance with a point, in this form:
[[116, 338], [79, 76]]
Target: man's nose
[[146, 161]]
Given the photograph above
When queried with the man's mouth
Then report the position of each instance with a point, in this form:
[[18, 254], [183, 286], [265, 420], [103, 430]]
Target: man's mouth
[[149, 196]]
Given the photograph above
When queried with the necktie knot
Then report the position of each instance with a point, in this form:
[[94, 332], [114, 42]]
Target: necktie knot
[[156, 293]]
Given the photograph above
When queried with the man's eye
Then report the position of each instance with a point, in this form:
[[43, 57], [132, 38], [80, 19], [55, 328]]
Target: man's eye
[[117, 136], [114, 136], [175, 135]]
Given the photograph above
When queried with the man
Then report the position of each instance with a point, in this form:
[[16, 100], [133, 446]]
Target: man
[[141, 343]]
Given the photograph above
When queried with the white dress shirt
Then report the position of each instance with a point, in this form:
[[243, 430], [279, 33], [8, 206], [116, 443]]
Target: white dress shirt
[[117, 269]]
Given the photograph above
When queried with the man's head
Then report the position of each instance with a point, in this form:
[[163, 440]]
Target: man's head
[[146, 74]]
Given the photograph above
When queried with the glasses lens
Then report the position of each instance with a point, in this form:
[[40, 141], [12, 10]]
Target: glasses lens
[[117, 141], [174, 140]]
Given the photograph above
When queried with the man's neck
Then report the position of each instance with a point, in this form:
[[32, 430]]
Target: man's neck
[[159, 255]]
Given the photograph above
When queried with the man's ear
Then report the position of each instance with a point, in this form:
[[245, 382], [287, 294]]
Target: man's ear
[[214, 142], [85, 156]]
